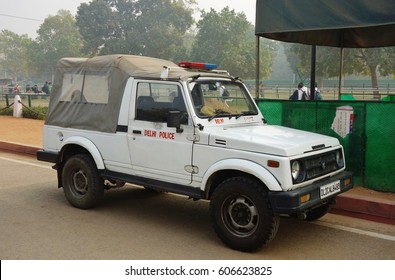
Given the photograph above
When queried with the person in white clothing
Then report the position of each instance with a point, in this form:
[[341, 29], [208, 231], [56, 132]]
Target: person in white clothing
[[301, 93]]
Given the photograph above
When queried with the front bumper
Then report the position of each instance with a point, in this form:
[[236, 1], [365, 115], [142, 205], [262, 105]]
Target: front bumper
[[43, 155], [290, 202]]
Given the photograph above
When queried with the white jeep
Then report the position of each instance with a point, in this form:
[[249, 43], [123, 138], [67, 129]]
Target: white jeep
[[190, 130]]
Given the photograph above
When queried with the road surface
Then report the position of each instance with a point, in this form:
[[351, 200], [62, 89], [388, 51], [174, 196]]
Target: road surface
[[36, 223]]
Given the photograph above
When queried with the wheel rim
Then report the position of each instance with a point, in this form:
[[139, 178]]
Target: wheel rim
[[79, 183], [240, 215]]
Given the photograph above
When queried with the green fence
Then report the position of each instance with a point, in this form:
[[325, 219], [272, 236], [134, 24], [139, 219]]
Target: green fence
[[369, 147]]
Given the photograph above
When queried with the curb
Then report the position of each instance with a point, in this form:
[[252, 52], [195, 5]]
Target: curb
[[18, 148], [364, 207]]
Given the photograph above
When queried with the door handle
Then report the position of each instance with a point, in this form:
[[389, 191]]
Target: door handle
[[136, 131]]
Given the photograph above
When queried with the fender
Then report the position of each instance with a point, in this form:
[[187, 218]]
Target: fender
[[246, 166], [89, 146]]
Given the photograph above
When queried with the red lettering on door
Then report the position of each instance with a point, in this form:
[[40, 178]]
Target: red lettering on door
[[150, 133], [167, 135]]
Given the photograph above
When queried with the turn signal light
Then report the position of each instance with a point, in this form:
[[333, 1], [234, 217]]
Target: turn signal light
[[273, 163], [347, 181], [304, 198]]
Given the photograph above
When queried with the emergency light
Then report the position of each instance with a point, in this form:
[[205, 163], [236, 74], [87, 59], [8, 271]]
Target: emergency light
[[197, 65]]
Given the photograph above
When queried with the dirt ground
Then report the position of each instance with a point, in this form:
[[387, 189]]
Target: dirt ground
[[387, 196], [21, 130]]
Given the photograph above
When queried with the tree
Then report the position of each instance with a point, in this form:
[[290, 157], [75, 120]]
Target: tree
[[57, 37], [387, 66], [162, 25], [97, 24], [14, 58], [371, 61], [299, 59], [227, 39], [141, 27], [268, 52]]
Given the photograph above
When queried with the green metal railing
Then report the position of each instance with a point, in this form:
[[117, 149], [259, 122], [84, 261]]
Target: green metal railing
[[27, 98]]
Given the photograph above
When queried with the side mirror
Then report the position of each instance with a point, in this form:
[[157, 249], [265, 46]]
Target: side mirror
[[174, 120]]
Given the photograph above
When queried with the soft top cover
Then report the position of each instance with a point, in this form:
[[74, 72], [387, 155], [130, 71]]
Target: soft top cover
[[131, 65], [87, 92]]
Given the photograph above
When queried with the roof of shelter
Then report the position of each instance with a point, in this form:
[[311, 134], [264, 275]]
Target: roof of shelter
[[336, 23]]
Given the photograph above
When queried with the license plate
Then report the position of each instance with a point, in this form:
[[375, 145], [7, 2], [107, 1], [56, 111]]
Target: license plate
[[329, 189]]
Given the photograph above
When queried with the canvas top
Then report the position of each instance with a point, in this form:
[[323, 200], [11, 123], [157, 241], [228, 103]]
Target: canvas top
[[87, 92]]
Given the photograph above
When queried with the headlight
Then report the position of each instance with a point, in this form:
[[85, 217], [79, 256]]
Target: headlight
[[295, 169], [298, 172], [339, 159]]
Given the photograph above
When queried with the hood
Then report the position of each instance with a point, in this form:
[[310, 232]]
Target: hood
[[270, 139]]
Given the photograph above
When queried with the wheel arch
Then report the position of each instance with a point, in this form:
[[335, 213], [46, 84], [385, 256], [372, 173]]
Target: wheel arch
[[77, 144], [225, 169]]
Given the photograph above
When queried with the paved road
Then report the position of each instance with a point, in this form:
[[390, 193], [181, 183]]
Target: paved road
[[36, 222]]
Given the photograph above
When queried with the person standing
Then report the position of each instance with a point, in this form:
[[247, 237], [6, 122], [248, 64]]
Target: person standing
[[305, 93], [317, 93], [301, 93], [16, 89], [45, 88]]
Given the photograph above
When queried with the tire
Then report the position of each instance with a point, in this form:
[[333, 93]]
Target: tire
[[241, 214], [318, 212], [82, 184]]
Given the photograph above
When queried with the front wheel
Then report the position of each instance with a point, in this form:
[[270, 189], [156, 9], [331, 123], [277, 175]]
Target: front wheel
[[82, 185], [241, 215]]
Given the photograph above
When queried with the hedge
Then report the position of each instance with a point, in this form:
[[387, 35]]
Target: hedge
[[38, 113]]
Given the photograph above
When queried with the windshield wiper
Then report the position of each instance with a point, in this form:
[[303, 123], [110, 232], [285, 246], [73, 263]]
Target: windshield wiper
[[226, 114], [246, 113], [220, 114]]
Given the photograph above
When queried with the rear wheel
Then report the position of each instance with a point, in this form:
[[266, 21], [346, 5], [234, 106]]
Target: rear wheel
[[82, 185], [241, 215]]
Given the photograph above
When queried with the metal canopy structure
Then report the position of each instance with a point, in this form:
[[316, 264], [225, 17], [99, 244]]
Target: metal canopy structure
[[335, 23]]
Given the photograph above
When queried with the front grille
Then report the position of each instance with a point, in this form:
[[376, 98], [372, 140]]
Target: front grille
[[320, 165]]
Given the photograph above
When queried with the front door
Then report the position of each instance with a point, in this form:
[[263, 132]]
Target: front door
[[157, 151]]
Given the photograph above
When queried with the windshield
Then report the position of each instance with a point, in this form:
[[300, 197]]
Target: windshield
[[213, 99]]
